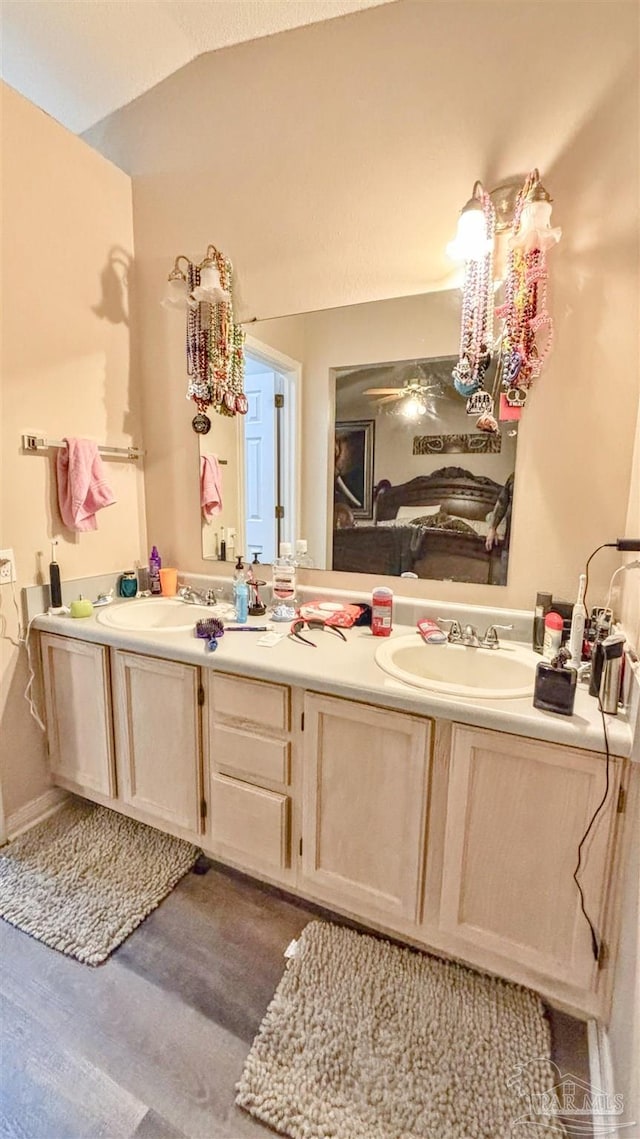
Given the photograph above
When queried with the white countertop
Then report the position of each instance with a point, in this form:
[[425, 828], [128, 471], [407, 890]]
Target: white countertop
[[349, 670]]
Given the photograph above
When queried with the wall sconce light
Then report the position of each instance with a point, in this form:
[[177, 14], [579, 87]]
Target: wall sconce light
[[472, 241], [177, 291], [523, 210], [210, 290], [215, 343], [535, 230]]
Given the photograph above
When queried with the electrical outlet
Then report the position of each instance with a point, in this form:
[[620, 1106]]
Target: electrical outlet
[[7, 567]]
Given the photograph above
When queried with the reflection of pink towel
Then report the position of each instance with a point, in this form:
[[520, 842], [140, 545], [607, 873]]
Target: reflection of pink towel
[[210, 487], [82, 486]]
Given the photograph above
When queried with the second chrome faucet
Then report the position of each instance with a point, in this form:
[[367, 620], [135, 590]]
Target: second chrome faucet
[[469, 637]]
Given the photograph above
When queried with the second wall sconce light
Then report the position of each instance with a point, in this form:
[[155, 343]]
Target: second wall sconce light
[[526, 328]]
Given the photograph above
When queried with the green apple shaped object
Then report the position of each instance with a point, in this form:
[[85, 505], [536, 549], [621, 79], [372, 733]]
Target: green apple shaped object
[[81, 607]]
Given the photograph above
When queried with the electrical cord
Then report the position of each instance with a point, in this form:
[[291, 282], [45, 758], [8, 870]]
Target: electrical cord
[[624, 544], [586, 568], [28, 694], [23, 639], [621, 569], [595, 944]]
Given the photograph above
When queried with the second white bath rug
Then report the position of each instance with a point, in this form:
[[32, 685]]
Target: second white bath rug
[[368, 1040], [83, 880]]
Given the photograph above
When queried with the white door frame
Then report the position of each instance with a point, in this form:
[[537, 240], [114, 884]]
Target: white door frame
[[291, 372]]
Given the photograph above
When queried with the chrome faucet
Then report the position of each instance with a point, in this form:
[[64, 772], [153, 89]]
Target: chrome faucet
[[490, 639], [454, 636], [192, 596], [469, 635]]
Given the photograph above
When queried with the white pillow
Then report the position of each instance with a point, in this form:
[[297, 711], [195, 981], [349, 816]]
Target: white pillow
[[481, 526], [408, 513]]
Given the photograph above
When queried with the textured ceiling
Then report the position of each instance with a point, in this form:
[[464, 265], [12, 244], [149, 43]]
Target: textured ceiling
[[80, 60]]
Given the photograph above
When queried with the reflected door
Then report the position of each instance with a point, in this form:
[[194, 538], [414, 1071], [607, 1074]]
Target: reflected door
[[261, 463]]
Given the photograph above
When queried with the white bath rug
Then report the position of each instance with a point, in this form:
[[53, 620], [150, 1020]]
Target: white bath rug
[[368, 1040], [83, 880]]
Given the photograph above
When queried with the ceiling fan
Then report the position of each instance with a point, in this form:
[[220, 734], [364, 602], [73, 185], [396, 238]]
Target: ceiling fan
[[415, 387], [414, 382]]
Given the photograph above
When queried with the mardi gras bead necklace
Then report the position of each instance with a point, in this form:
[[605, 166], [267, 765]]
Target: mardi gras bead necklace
[[524, 311], [214, 342], [476, 326]]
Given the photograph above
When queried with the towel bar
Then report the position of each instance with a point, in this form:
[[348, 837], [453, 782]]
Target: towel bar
[[38, 443]]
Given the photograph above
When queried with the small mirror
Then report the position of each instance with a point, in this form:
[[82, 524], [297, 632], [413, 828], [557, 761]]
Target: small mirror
[[357, 442]]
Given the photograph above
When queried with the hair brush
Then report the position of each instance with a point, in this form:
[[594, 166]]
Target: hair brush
[[211, 628]]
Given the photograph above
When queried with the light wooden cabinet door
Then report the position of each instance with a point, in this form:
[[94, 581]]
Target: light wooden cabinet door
[[76, 690], [364, 806], [157, 727], [516, 812]]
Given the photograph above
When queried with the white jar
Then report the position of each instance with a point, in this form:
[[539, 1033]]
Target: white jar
[[553, 626]]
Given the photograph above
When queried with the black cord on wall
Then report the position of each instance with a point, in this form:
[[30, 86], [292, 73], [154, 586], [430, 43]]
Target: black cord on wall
[[595, 943], [625, 544]]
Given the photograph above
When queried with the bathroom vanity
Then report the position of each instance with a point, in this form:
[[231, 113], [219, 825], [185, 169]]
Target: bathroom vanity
[[451, 825]]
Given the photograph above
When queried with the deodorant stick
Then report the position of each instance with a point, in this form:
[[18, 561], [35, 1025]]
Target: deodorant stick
[[381, 611]]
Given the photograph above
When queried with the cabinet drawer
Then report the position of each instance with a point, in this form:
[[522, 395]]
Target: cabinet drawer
[[249, 756], [250, 702], [249, 821]]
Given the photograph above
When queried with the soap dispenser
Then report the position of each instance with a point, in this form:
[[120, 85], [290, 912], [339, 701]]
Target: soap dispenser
[[240, 591]]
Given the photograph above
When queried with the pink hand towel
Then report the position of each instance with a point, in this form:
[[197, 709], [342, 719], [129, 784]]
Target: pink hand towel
[[82, 486], [210, 487]]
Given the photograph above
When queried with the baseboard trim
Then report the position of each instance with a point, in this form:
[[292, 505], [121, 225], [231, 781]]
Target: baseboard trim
[[602, 1080], [35, 811]]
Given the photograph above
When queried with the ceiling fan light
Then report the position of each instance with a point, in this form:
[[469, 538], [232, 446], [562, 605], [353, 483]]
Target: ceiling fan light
[[413, 407]]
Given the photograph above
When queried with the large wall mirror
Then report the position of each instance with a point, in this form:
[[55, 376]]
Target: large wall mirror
[[357, 442]]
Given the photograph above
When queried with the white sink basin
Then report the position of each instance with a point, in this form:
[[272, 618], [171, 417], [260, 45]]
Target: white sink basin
[[455, 670], [163, 614]]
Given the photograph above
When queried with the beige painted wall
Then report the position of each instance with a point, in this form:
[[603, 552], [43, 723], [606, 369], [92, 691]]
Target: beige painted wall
[[330, 162], [67, 237], [629, 602]]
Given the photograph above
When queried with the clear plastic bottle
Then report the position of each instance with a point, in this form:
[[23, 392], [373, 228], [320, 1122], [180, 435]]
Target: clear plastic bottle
[[241, 599], [302, 559], [241, 591], [283, 585]]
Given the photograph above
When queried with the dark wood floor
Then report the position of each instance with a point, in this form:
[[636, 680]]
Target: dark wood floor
[[151, 1043]]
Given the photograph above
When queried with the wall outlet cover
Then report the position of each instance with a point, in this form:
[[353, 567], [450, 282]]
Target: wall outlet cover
[[7, 567]]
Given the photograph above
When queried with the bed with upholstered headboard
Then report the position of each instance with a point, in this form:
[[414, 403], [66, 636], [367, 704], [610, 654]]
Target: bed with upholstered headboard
[[434, 526]]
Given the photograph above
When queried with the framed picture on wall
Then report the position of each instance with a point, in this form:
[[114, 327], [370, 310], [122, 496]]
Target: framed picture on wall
[[353, 471]]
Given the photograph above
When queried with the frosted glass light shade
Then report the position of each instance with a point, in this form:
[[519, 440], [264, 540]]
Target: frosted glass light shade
[[535, 230], [471, 242], [210, 290], [176, 294]]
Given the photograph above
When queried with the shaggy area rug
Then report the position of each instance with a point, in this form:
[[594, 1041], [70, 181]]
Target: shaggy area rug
[[82, 880], [368, 1040]]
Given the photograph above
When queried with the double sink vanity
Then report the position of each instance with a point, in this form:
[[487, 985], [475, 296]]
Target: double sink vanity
[[411, 787]]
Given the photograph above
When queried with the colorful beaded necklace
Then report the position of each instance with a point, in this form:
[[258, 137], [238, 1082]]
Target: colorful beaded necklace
[[476, 326], [215, 348], [524, 310]]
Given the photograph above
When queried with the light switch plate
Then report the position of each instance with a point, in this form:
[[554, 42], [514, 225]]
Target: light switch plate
[[7, 567]]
